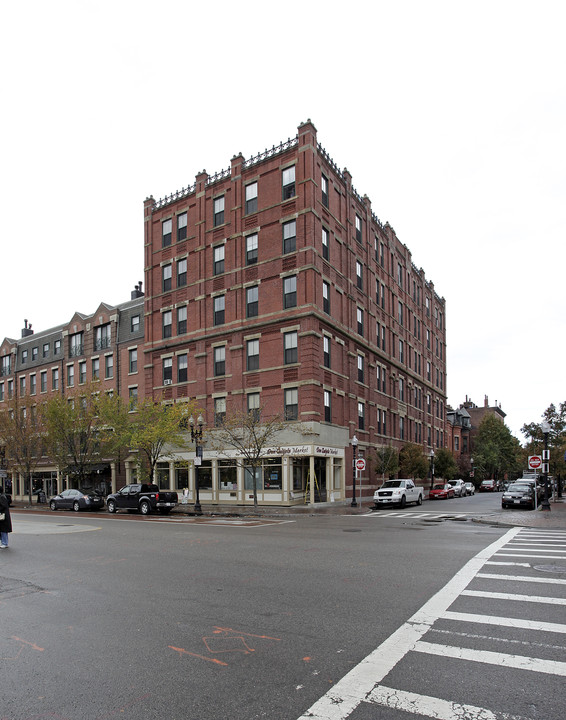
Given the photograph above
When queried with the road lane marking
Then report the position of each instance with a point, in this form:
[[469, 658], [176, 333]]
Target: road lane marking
[[511, 596], [501, 640], [487, 657], [551, 557], [432, 707], [536, 549], [505, 622], [521, 578], [345, 696]]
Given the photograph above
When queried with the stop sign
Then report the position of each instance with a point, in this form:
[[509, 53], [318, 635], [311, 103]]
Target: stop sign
[[360, 464], [535, 461]]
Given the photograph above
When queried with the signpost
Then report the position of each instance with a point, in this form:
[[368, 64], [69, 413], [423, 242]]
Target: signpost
[[360, 464], [535, 462]]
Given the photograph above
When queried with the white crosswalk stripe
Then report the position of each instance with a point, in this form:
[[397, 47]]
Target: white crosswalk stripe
[[414, 514]]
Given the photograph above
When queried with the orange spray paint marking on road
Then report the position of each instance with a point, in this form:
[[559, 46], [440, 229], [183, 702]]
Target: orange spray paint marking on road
[[25, 642], [182, 651]]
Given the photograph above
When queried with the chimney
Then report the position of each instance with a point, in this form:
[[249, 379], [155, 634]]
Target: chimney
[[137, 291], [26, 330], [485, 402]]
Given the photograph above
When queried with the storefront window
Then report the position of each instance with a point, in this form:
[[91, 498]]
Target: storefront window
[[227, 474], [205, 475], [300, 473], [248, 478], [181, 478], [272, 474], [162, 475]]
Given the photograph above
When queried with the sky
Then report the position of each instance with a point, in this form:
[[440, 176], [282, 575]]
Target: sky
[[450, 116]]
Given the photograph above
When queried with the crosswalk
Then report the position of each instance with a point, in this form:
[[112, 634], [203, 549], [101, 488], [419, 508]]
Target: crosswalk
[[381, 514], [490, 645]]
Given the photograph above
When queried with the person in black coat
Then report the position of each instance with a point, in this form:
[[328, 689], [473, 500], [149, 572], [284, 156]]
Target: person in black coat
[[6, 523]]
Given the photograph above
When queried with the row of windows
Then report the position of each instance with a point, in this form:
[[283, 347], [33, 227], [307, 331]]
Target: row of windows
[[379, 256], [79, 376], [290, 356], [401, 427], [101, 341], [289, 230], [219, 207]]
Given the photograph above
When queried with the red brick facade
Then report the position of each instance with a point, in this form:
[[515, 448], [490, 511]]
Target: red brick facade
[[281, 248]]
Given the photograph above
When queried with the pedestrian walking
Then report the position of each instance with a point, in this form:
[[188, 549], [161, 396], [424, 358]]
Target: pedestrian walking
[[5, 521]]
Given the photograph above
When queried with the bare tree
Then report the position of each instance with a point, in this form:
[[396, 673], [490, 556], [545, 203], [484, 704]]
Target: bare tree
[[22, 436], [252, 435]]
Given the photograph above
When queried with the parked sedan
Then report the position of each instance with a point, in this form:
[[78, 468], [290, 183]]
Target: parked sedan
[[470, 488], [459, 488], [76, 500], [441, 491], [518, 495], [488, 486]]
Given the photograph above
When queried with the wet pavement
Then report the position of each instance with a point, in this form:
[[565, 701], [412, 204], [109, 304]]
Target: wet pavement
[[554, 519]]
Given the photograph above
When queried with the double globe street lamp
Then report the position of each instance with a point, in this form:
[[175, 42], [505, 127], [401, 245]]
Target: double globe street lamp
[[196, 437], [354, 470]]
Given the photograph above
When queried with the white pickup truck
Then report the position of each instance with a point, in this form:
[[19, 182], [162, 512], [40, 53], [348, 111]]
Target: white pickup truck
[[398, 492]]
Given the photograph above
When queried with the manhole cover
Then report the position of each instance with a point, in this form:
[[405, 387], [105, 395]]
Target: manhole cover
[[550, 568]]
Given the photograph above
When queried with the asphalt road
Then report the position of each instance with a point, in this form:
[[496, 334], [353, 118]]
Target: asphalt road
[[139, 618]]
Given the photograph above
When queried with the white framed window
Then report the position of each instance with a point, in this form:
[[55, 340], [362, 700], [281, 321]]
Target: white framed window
[[219, 259], [166, 230], [251, 249], [251, 198], [218, 211], [288, 183]]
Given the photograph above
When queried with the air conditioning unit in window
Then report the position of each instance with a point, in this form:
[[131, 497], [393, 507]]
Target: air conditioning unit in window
[[168, 382]]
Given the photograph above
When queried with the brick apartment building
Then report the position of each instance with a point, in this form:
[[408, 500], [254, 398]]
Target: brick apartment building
[[104, 345], [463, 426], [273, 284], [270, 285]]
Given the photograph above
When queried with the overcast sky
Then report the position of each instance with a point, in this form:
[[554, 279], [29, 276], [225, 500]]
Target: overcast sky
[[451, 117]]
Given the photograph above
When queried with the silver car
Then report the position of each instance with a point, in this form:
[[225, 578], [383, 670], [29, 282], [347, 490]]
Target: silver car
[[459, 488], [470, 488]]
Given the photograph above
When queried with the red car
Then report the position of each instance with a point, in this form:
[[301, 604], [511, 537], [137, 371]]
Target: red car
[[440, 491], [488, 486]]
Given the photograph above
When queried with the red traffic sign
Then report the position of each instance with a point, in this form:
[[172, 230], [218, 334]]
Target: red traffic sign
[[535, 461], [360, 464]]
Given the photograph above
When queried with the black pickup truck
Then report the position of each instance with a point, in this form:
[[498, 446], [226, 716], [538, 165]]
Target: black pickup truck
[[144, 498]]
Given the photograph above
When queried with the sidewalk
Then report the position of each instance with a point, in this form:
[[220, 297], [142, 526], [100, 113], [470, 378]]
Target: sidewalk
[[555, 519]]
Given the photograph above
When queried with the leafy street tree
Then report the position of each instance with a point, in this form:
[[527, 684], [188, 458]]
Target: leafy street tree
[[496, 451], [77, 433], [556, 418], [22, 437], [445, 465], [386, 461], [412, 461], [252, 435], [156, 430]]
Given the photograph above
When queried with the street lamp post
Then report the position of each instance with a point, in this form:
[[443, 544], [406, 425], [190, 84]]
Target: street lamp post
[[196, 437], [545, 427], [431, 455], [355, 455]]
